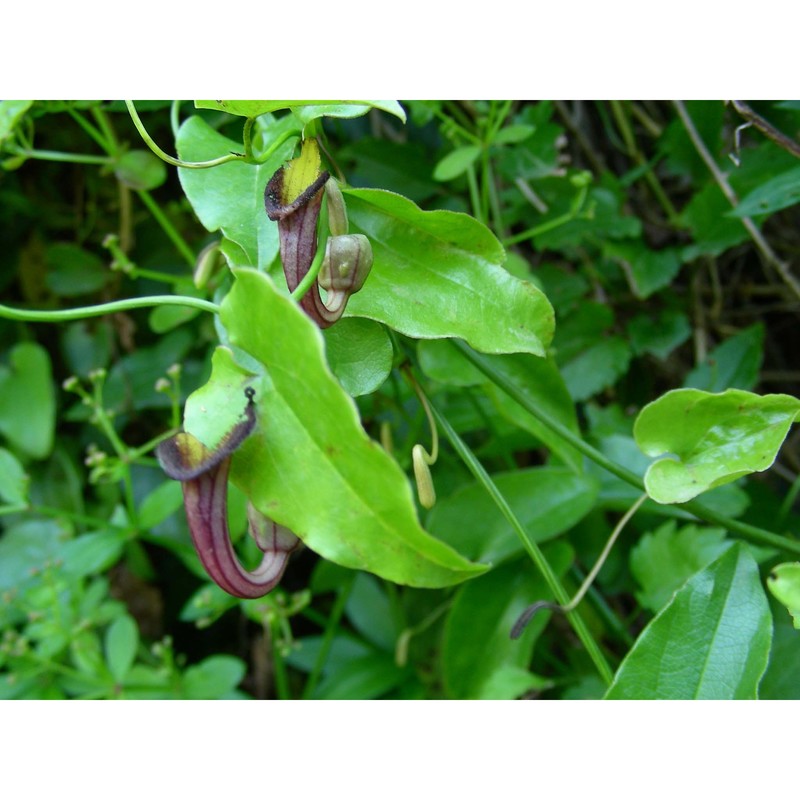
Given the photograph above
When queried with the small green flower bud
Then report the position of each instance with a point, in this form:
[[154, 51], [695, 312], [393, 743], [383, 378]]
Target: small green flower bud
[[337, 211], [347, 263], [70, 384], [422, 475], [206, 264], [162, 385]]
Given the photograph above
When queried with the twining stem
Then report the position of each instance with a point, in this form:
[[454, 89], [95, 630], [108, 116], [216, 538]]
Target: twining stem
[[69, 314], [176, 162], [747, 532], [552, 580], [527, 615]]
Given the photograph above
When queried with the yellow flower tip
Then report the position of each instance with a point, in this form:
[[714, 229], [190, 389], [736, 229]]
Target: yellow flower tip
[[301, 172]]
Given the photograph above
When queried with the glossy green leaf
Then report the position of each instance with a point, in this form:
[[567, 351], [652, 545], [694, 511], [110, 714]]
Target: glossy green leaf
[[546, 500], [715, 439], [784, 583], [779, 192], [456, 162], [422, 257], [307, 109], [663, 560], [309, 465], [359, 354], [734, 364], [27, 400], [121, 642], [13, 479], [442, 362], [476, 641], [711, 642], [230, 197]]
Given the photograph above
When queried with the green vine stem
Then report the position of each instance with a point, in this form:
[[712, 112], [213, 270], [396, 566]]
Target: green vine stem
[[70, 314], [176, 162], [553, 582], [749, 533]]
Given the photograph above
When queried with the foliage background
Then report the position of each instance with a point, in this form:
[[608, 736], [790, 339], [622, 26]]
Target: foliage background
[[608, 207]]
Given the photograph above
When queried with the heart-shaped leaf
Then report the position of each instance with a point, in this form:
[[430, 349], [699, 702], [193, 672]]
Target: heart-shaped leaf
[[716, 438]]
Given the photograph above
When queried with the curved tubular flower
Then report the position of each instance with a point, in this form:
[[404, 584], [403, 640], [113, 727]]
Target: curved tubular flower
[[297, 229], [204, 475]]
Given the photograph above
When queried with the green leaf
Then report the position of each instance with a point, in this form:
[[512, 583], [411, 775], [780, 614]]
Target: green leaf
[[27, 400], [782, 679], [73, 271], [359, 354], [122, 640], [306, 109], [514, 134], [164, 500], [662, 561], [92, 553], [11, 112], [650, 270], [422, 257], [476, 639], [13, 479], [542, 383], [370, 613], [456, 163], [597, 368], [25, 548], [140, 169], [214, 678], [546, 500], [716, 438], [230, 197], [309, 464], [784, 583], [735, 364], [363, 678], [659, 335], [778, 193], [442, 362], [711, 642]]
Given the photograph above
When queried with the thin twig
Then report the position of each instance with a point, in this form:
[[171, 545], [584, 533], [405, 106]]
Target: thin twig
[[755, 234], [767, 128]]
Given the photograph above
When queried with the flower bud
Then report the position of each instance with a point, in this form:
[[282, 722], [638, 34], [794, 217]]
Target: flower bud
[[347, 263], [337, 211]]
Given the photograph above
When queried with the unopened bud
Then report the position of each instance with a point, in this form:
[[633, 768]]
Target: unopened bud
[[206, 264], [337, 211], [422, 475], [347, 263]]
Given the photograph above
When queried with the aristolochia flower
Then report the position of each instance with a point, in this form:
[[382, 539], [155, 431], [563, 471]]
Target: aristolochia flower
[[204, 475], [293, 198]]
